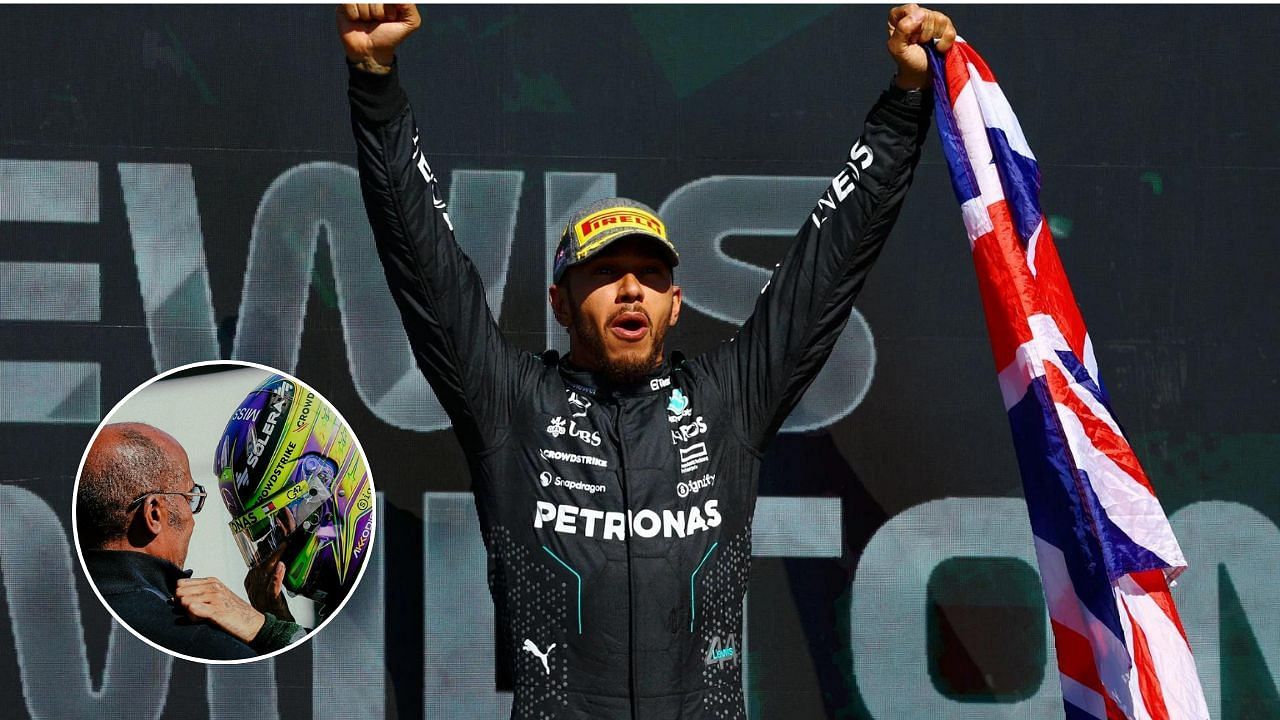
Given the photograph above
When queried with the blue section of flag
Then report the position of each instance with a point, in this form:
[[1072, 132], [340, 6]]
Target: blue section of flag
[[963, 180], [1053, 501], [1020, 177], [1122, 555], [1080, 375], [1075, 713]]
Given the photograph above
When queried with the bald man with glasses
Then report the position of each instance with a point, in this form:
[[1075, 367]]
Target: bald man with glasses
[[135, 512]]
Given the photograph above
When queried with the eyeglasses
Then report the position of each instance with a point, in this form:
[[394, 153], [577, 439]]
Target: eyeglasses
[[196, 496]]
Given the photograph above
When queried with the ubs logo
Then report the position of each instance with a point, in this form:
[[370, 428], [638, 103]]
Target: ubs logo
[[558, 428]]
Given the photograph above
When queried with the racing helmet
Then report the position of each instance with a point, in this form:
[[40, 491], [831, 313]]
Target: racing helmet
[[292, 477]]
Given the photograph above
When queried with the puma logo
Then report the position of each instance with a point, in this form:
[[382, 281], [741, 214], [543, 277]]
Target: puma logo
[[528, 645]]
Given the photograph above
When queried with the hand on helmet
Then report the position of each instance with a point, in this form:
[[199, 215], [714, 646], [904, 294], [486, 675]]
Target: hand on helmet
[[265, 583]]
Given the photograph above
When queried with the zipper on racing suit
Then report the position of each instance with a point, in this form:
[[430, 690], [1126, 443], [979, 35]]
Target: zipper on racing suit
[[631, 601]]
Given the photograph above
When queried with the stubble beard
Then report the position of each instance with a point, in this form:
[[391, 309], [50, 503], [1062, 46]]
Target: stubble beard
[[628, 369]]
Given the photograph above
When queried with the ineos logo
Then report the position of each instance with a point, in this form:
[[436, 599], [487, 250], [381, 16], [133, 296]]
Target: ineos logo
[[684, 432]]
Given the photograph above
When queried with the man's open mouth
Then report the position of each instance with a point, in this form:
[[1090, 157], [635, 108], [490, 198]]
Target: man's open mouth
[[630, 326]]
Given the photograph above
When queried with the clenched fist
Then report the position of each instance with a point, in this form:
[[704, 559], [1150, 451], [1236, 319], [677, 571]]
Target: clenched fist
[[371, 33], [910, 28]]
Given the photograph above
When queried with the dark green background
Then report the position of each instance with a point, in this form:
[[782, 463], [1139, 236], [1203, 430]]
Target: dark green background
[[1155, 127]]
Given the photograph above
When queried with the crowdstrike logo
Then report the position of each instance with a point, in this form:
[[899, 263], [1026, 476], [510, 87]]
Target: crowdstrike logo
[[572, 458], [285, 458], [686, 488], [589, 522], [305, 415]]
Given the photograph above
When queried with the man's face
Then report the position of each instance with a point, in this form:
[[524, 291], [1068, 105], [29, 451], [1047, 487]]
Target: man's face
[[617, 307]]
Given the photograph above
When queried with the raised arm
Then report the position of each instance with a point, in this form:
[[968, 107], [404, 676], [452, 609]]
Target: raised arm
[[806, 304], [441, 298]]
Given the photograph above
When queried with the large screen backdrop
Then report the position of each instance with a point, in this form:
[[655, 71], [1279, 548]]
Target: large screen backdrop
[[176, 184]]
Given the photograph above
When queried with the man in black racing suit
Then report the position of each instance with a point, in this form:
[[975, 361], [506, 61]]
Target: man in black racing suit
[[616, 486]]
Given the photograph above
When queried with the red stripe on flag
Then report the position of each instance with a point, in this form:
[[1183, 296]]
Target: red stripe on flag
[[1153, 582], [1148, 681], [1055, 292], [1009, 293], [1075, 660], [1099, 433], [1075, 657], [957, 72], [972, 56]]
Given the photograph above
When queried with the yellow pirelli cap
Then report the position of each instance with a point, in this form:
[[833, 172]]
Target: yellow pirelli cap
[[596, 226]]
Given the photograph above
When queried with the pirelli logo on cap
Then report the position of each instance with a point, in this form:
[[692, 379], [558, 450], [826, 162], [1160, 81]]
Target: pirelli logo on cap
[[593, 228]]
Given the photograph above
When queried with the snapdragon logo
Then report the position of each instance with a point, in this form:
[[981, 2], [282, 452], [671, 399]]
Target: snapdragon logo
[[610, 525], [547, 479]]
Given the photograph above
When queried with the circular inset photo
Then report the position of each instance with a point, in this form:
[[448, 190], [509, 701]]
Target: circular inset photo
[[223, 512]]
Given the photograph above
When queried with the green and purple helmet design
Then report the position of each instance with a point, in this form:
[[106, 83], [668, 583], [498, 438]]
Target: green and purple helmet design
[[294, 481]]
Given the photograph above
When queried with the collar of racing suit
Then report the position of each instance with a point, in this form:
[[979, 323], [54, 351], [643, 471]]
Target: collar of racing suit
[[584, 381]]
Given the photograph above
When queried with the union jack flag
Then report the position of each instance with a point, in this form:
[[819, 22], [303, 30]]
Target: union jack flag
[[1103, 543]]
